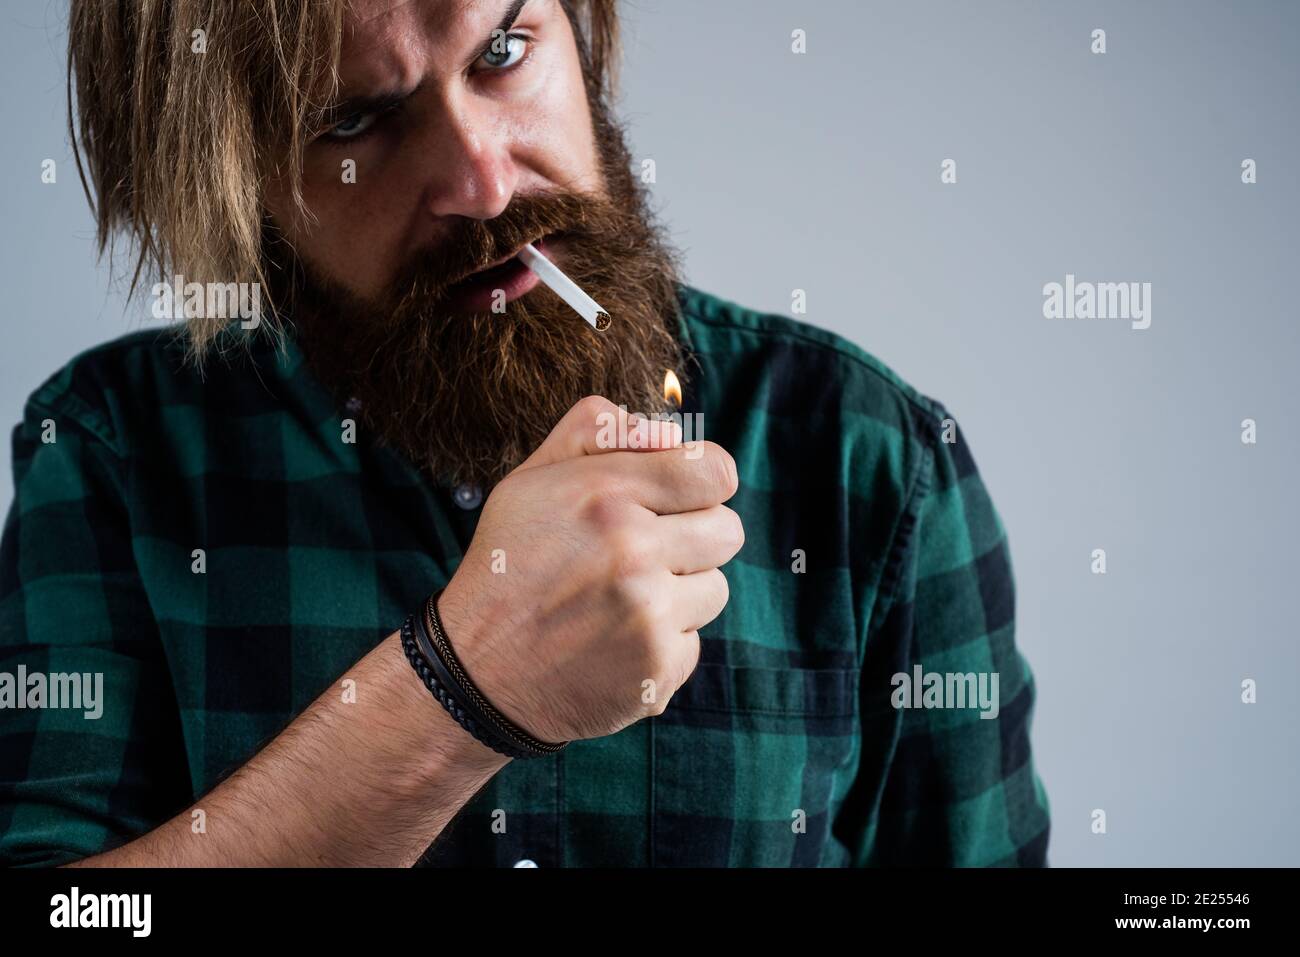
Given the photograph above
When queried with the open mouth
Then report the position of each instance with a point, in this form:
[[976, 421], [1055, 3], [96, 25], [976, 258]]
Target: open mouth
[[495, 285]]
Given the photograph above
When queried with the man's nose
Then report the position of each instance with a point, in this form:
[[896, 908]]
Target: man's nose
[[469, 166]]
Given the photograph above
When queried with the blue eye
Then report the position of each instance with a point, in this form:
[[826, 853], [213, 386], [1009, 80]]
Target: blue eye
[[353, 126], [504, 51]]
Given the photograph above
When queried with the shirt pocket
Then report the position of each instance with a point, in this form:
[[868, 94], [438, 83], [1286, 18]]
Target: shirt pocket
[[751, 764]]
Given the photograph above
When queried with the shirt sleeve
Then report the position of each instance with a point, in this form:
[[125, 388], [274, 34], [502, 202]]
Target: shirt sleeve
[[76, 631], [960, 788]]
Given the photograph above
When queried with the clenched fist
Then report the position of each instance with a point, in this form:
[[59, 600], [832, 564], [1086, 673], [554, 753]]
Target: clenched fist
[[611, 567]]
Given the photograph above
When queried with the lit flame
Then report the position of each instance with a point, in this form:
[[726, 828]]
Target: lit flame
[[672, 388]]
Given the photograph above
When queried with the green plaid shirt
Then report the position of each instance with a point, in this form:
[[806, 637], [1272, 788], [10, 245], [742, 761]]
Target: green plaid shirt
[[872, 549]]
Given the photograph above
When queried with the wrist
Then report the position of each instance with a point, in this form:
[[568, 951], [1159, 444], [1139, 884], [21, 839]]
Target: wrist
[[471, 628], [445, 748]]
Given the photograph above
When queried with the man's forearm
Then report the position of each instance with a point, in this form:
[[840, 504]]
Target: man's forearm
[[365, 783]]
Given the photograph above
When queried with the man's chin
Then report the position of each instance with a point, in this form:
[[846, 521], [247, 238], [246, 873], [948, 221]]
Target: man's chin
[[466, 396], [467, 379]]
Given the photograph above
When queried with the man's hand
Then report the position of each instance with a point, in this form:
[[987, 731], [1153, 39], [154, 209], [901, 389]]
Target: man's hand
[[591, 572]]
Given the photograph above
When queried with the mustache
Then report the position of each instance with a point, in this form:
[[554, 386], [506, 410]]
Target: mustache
[[472, 245]]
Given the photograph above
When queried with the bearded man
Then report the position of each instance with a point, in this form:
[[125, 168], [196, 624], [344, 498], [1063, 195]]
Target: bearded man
[[386, 575]]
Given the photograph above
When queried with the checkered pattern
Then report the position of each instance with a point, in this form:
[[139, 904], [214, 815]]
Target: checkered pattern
[[782, 749]]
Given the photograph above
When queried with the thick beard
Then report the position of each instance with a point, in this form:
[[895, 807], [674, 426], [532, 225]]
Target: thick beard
[[468, 396]]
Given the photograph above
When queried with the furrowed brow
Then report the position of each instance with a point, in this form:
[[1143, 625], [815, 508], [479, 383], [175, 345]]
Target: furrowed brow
[[378, 102]]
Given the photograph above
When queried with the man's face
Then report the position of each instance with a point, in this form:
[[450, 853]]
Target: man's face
[[440, 122], [472, 133]]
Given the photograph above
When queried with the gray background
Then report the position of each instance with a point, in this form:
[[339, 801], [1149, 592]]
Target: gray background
[[821, 172]]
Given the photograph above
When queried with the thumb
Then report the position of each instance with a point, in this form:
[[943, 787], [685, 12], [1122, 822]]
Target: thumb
[[594, 425]]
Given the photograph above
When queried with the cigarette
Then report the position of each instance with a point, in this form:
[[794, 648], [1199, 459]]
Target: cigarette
[[565, 288]]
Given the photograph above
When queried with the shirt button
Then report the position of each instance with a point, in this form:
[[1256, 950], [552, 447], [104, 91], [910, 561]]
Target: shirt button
[[467, 496], [525, 863]]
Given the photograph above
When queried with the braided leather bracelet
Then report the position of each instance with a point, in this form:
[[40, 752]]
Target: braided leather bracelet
[[429, 651], [427, 665], [442, 644], [482, 708]]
